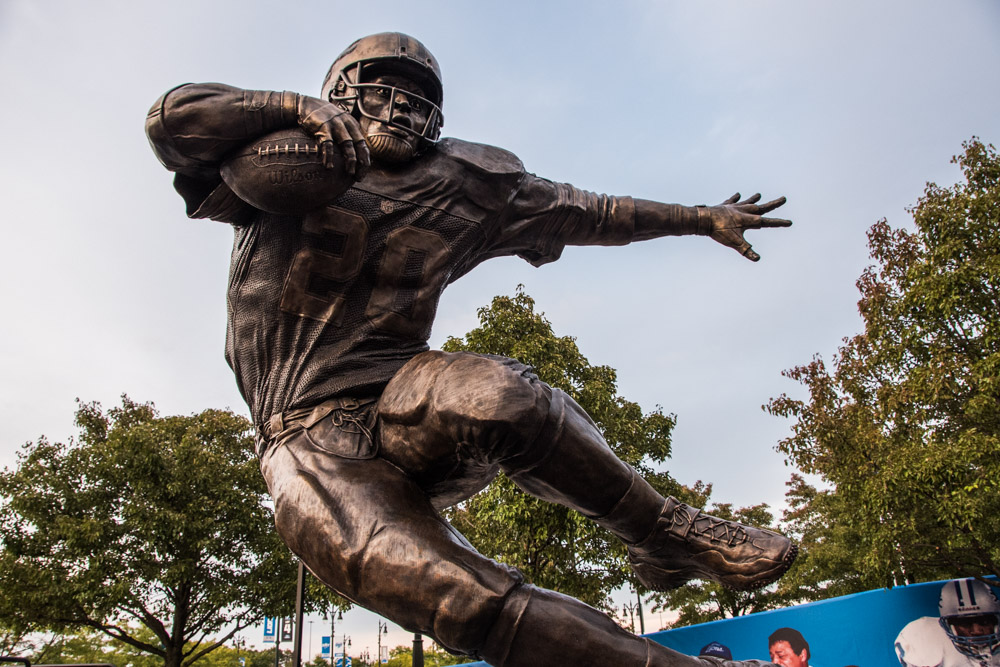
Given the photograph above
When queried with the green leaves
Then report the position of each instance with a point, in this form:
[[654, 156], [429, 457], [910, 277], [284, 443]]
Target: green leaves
[[153, 530], [555, 547], [904, 426]]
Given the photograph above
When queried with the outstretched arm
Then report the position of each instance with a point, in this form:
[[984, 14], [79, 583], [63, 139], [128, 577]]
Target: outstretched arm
[[544, 217], [725, 223]]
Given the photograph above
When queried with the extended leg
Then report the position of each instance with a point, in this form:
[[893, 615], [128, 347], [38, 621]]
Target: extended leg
[[445, 416], [553, 629]]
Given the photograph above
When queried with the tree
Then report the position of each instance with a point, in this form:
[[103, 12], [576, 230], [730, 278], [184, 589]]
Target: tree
[[402, 656], [703, 601], [903, 428], [829, 546], [153, 531], [555, 547]]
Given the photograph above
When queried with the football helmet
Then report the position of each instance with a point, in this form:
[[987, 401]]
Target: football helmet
[[387, 53], [965, 599]]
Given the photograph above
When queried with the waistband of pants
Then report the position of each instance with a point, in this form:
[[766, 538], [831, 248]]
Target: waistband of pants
[[283, 423]]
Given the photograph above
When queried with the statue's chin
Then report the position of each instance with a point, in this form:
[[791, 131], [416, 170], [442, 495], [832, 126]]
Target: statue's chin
[[390, 148]]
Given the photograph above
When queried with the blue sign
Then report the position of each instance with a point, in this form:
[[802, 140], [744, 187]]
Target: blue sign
[[324, 647], [859, 629], [344, 662], [880, 628], [270, 629]]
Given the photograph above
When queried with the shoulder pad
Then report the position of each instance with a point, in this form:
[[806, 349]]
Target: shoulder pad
[[471, 181], [922, 643], [488, 159]]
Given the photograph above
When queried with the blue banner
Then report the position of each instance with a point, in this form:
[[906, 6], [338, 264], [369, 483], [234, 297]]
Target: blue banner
[[880, 628], [270, 629], [862, 629], [324, 647]]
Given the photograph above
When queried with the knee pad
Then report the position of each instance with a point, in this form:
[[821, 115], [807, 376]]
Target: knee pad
[[445, 408]]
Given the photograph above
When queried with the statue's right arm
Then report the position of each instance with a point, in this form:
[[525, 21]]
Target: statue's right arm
[[193, 127]]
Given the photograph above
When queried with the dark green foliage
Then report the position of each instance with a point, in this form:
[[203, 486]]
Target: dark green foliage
[[555, 547], [152, 530], [903, 427]]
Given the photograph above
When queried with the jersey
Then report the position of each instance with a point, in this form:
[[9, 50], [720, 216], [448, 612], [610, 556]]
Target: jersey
[[336, 301], [924, 643]]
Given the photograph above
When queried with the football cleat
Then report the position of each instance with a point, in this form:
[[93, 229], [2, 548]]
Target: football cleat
[[689, 544]]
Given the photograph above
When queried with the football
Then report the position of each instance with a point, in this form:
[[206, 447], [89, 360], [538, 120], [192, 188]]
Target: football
[[282, 172]]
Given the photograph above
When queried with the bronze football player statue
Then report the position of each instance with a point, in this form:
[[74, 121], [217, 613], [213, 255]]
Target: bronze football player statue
[[365, 434]]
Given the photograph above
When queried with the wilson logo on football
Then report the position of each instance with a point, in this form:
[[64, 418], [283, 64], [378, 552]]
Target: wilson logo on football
[[283, 172]]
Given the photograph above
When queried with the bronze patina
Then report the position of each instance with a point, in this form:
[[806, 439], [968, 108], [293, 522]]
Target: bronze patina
[[365, 433]]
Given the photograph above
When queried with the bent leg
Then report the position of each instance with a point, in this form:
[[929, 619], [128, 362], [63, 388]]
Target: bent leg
[[369, 533], [452, 419]]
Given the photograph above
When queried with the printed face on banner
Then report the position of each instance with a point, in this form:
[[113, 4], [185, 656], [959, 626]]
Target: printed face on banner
[[783, 654]]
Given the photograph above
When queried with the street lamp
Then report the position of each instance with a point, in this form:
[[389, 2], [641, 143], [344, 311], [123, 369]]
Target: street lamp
[[339, 616], [383, 628], [629, 610], [240, 643], [642, 621]]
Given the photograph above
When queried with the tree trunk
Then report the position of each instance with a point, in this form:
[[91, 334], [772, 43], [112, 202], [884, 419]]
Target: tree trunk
[[173, 656]]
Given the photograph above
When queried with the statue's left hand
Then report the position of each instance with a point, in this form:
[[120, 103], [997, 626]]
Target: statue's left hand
[[727, 221]]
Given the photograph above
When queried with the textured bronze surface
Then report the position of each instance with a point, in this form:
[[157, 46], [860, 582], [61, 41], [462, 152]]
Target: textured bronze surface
[[364, 433]]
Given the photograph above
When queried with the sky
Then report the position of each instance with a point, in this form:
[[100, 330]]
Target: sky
[[846, 108]]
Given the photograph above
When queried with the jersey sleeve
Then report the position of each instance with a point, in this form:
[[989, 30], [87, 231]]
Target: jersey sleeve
[[192, 128], [543, 217]]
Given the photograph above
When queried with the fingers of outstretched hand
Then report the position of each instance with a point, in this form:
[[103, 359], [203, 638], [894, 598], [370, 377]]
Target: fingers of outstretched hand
[[748, 252], [733, 238], [771, 205], [774, 222]]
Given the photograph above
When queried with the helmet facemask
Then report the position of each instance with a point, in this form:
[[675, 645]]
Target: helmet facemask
[[352, 78], [975, 646], [355, 102]]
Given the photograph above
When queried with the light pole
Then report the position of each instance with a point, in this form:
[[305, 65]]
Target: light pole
[[347, 642], [383, 628], [418, 650], [629, 609], [240, 643], [339, 616], [642, 621]]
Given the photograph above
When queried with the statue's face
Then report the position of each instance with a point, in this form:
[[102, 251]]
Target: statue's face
[[387, 98]]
